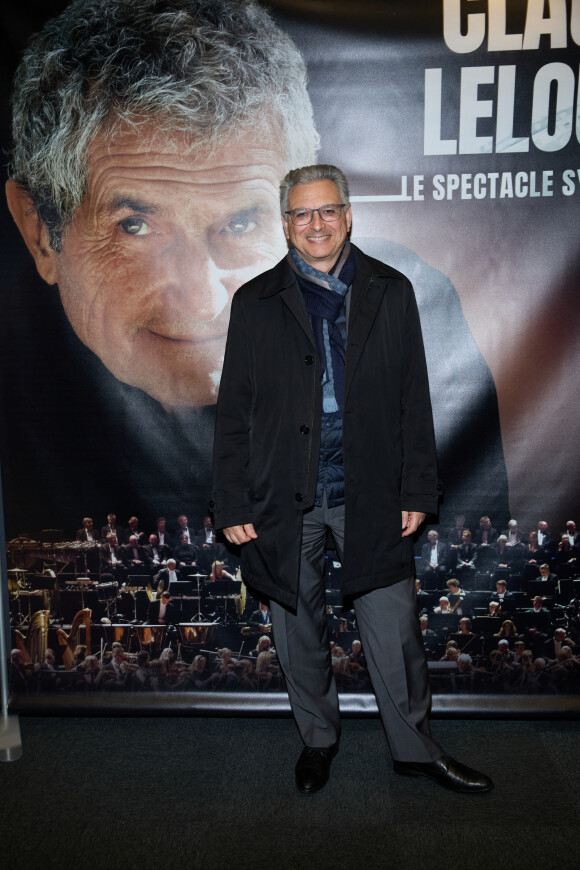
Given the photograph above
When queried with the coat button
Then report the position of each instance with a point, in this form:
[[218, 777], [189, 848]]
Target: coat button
[[308, 360], [298, 496], [304, 430]]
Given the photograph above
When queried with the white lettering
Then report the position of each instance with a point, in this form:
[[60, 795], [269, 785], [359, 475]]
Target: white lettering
[[506, 89], [555, 115], [569, 179], [575, 21], [507, 186], [497, 38], [466, 182], [536, 24], [564, 77], [432, 141], [492, 177], [521, 184], [547, 182], [418, 185], [578, 113], [471, 109], [479, 188], [452, 184], [454, 39], [438, 184]]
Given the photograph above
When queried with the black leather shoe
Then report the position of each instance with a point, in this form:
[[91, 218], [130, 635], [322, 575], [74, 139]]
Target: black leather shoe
[[313, 768], [447, 772]]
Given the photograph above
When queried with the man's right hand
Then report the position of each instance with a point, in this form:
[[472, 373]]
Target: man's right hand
[[240, 534]]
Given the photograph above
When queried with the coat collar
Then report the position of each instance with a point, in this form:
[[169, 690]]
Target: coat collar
[[281, 276], [367, 292]]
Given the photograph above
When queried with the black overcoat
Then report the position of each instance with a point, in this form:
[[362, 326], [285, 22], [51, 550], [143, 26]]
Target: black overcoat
[[267, 433]]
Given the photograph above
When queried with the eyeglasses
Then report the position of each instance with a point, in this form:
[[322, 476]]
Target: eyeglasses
[[328, 213]]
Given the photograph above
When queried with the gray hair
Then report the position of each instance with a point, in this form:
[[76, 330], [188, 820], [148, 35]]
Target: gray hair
[[202, 67], [308, 174]]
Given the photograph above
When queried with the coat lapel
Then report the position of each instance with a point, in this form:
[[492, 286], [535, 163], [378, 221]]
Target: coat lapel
[[281, 280], [294, 299], [367, 294]]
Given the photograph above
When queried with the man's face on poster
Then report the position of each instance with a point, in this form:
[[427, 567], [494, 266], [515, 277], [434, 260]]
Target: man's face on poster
[[162, 240]]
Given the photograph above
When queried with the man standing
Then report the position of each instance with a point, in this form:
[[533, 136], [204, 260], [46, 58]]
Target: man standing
[[324, 420], [163, 580]]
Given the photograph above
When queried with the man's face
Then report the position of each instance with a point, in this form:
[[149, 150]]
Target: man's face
[[432, 536], [182, 522], [543, 526], [485, 523], [88, 524], [319, 242], [156, 250], [153, 540], [111, 519], [544, 571], [161, 525]]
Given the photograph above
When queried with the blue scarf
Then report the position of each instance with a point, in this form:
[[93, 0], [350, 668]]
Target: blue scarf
[[324, 294]]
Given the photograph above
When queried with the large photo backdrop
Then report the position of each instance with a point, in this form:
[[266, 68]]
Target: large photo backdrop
[[146, 149]]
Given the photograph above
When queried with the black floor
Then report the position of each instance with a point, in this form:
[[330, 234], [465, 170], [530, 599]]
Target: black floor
[[210, 793]]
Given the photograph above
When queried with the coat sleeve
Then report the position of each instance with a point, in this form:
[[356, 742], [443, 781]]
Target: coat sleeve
[[231, 502], [420, 488]]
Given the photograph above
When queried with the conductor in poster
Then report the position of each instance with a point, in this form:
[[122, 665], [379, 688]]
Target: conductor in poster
[[148, 144]]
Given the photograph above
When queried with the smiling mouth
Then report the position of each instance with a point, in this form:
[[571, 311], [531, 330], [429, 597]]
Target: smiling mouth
[[190, 339]]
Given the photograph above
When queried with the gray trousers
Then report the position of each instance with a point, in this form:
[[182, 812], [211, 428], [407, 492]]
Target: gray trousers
[[392, 646]]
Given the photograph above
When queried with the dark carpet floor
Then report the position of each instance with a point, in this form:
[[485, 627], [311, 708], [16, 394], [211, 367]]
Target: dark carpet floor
[[189, 793]]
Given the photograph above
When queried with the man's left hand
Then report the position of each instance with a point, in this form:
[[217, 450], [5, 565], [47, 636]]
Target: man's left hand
[[410, 522]]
